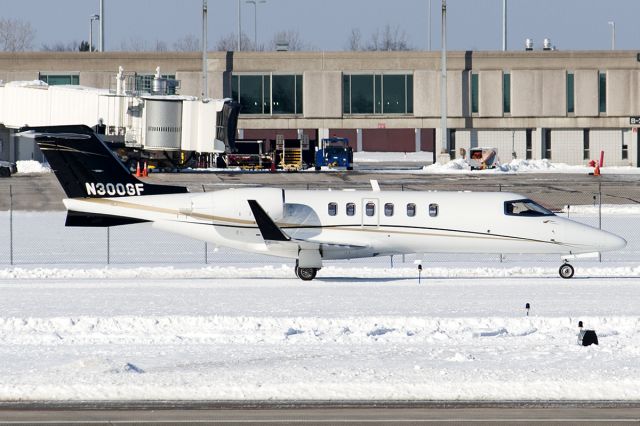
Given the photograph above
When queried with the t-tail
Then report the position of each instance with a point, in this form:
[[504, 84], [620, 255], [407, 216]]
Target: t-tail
[[87, 168]]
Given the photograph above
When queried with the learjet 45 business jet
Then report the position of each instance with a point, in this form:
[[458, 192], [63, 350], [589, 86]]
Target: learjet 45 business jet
[[309, 226]]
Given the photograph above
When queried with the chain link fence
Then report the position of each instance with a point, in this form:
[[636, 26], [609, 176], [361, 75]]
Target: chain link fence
[[40, 237]]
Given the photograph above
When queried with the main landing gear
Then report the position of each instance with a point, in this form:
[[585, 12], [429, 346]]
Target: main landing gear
[[566, 271], [305, 274]]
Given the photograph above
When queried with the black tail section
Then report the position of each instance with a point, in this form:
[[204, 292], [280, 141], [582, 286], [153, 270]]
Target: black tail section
[[86, 167]]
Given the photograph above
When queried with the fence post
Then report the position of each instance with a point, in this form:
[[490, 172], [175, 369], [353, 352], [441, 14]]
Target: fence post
[[11, 225], [108, 245], [206, 253]]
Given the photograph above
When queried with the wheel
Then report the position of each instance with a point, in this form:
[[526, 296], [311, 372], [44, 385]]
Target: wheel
[[5, 172], [350, 168], [566, 271], [306, 274], [317, 168]]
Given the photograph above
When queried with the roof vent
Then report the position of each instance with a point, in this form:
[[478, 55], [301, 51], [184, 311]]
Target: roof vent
[[528, 44]]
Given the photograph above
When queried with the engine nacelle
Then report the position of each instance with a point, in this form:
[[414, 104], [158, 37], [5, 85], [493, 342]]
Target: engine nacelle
[[232, 203]]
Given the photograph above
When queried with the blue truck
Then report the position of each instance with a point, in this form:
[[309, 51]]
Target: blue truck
[[334, 153]]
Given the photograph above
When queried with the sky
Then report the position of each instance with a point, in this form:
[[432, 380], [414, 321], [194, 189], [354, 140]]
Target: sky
[[326, 24]]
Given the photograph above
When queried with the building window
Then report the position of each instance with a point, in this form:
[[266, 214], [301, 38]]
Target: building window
[[585, 145], [433, 210], [268, 93], [625, 151], [602, 92], [474, 93], [411, 209], [333, 209], [388, 209], [377, 94], [351, 209], [506, 93], [370, 209], [546, 144], [528, 144], [60, 79], [570, 93]]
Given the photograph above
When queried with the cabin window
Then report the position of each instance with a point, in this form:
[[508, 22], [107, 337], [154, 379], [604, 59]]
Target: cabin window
[[351, 209], [370, 209], [433, 210], [525, 208], [333, 209], [411, 209], [388, 209]]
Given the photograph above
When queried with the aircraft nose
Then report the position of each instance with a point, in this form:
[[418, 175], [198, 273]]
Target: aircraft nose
[[608, 241]]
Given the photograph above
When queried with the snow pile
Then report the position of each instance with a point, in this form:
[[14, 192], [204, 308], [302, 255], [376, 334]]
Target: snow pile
[[379, 157], [32, 166], [26, 83], [606, 210], [286, 271], [518, 165], [457, 165]]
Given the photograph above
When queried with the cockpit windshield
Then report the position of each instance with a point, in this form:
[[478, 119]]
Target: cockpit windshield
[[525, 208]]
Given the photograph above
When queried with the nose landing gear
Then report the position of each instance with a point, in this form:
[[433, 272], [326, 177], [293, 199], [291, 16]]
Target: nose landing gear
[[566, 271]]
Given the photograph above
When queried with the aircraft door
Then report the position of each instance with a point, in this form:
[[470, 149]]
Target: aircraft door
[[370, 212]]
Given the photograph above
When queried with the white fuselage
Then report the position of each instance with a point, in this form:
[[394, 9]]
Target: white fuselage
[[350, 224]]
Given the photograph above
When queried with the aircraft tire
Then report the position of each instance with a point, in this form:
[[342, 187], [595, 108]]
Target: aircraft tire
[[566, 271], [5, 172], [306, 274]]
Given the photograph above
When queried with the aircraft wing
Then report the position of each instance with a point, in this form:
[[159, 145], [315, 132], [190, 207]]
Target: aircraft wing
[[276, 237]]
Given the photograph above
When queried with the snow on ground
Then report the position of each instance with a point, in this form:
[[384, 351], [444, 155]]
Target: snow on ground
[[380, 157], [269, 337], [244, 328], [461, 165], [457, 166], [32, 166]]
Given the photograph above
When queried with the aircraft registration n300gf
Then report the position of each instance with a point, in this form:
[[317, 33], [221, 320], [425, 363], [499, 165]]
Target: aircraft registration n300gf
[[310, 226]]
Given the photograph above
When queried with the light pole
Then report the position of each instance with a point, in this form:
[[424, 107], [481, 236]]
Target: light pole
[[92, 18], [255, 20], [443, 81], [239, 47], [613, 35], [504, 25], [101, 45], [429, 38]]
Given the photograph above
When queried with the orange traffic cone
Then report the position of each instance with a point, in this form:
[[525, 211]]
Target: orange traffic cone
[[145, 171], [138, 174], [596, 171]]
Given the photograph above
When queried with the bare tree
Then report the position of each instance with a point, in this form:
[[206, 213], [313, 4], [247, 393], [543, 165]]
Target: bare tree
[[135, 44], [289, 37], [354, 42], [388, 39], [188, 43], [62, 47], [230, 43], [384, 39], [15, 35]]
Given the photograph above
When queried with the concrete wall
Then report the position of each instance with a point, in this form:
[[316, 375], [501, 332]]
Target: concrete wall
[[538, 93], [623, 92], [585, 86], [490, 94], [322, 94]]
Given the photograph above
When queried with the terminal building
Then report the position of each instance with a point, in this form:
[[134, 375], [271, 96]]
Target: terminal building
[[565, 106]]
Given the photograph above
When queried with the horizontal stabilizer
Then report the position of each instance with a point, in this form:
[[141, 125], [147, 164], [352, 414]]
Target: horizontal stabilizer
[[97, 220], [268, 228]]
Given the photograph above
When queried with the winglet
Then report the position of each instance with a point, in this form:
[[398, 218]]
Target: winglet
[[268, 228]]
